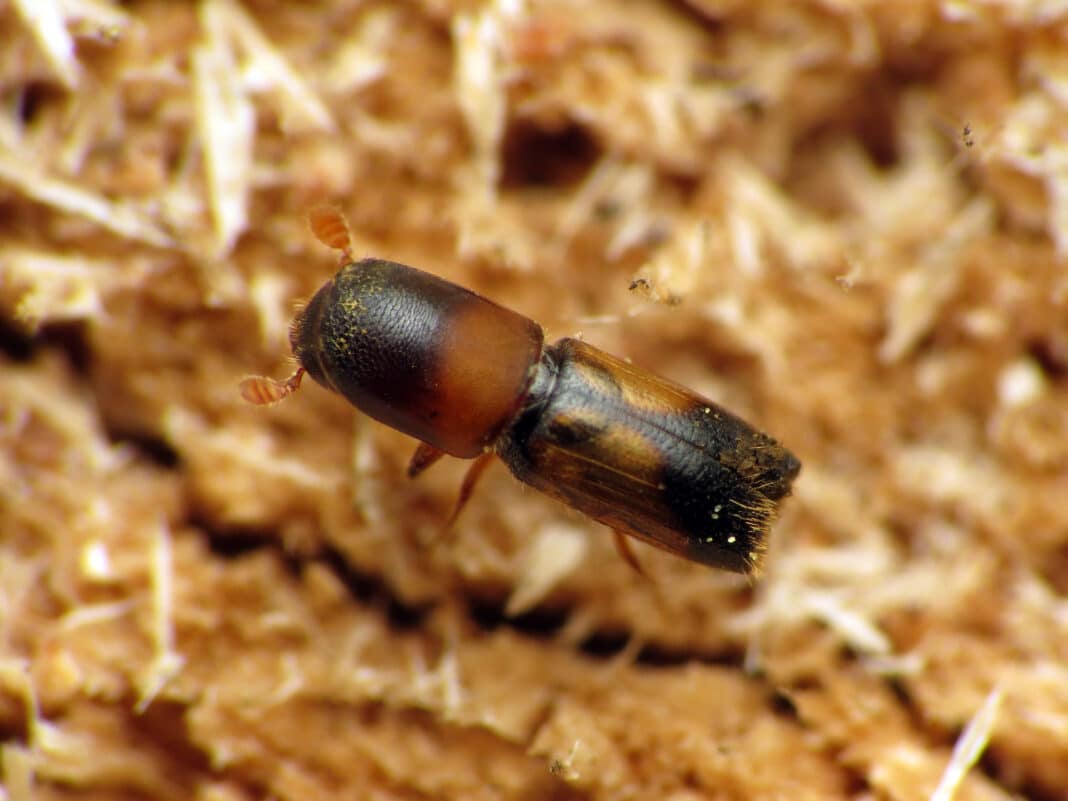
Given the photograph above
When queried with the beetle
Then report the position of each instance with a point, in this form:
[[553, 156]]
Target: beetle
[[472, 379]]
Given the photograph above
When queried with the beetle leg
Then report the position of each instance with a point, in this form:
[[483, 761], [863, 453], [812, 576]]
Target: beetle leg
[[623, 546], [424, 456], [467, 488]]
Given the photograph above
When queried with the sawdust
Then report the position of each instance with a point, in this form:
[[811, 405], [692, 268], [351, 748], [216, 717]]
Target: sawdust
[[849, 222]]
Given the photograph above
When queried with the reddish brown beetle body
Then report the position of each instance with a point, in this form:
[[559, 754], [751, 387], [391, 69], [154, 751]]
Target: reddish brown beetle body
[[469, 378]]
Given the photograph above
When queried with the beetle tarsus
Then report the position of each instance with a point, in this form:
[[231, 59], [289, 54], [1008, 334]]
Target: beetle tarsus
[[467, 488], [624, 549], [425, 456]]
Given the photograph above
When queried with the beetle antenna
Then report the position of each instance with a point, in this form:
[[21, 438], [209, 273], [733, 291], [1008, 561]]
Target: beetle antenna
[[260, 390], [332, 229]]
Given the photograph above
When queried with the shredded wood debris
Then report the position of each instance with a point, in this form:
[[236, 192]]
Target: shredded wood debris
[[846, 222], [45, 19], [120, 217], [969, 747], [554, 552], [226, 120], [166, 661]]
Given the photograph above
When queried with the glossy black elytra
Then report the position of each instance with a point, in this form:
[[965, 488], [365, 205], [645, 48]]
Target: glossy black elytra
[[469, 378]]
